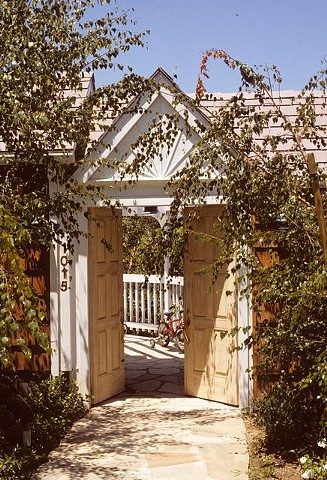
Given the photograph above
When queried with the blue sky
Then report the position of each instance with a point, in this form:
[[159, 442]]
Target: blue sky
[[291, 34]]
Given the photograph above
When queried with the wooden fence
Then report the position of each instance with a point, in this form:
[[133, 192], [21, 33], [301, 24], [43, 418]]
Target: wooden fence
[[146, 299]]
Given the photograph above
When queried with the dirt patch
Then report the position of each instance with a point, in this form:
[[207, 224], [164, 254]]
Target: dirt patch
[[264, 464]]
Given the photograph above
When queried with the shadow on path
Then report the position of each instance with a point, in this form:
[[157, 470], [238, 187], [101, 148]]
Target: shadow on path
[[152, 431], [158, 371]]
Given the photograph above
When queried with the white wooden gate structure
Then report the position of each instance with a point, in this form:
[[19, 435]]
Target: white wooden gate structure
[[71, 335]]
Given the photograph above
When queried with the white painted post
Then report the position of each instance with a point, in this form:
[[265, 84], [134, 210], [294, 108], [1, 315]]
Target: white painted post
[[54, 312], [244, 355], [125, 301], [155, 303], [131, 317], [61, 323], [136, 302], [81, 312], [143, 303], [73, 316], [148, 291], [167, 293], [65, 310], [161, 300]]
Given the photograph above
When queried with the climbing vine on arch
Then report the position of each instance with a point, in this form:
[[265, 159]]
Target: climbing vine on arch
[[254, 159]]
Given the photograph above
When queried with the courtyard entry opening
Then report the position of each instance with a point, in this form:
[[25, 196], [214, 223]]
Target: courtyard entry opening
[[210, 359]]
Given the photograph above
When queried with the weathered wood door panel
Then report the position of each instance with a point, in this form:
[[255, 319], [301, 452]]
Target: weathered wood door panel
[[107, 372], [210, 361]]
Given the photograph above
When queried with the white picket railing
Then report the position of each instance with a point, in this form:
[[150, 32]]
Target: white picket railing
[[146, 299]]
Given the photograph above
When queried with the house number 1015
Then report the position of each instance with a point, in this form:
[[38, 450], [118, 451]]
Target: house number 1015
[[64, 262]]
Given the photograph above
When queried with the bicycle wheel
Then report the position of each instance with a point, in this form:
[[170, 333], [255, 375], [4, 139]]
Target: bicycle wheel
[[163, 334], [180, 341]]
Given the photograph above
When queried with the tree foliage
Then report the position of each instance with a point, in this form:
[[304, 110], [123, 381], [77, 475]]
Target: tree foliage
[[260, 174], [142, 237], [146, 248], [47, 47]]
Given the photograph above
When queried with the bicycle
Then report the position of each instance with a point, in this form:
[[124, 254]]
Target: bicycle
[[171, 329]]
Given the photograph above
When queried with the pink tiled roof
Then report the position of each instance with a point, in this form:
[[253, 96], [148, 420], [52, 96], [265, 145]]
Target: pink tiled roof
[[210, 105], [288, 103]]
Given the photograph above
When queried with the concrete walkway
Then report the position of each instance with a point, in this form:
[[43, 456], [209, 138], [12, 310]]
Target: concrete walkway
[[152, 431]]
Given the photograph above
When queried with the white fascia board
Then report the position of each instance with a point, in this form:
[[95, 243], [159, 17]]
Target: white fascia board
[[194, 117], [60, 154], [142, 202], [116, 134]]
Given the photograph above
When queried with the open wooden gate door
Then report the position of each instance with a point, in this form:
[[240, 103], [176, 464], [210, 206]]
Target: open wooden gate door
[[106, 333], [211, 363]]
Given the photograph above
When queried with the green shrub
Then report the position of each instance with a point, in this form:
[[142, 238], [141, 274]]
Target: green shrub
[[56, 404], [290, 416], [19, 465], [314, 467], [10, 430]]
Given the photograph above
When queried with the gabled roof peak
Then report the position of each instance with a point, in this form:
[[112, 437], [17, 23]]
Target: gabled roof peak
[[160, 72]]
